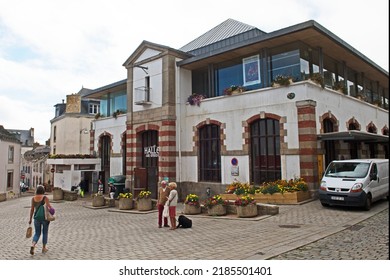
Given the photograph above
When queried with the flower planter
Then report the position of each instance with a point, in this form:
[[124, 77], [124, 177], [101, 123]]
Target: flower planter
[[58, 194], [247, 211], [98, 201], [217, 210], [144, 204], [229, 196], [276, 198], [125, 203], [192, 209], [279, 198], [3, 197]]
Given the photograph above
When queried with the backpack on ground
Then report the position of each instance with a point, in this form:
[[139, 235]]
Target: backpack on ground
[[184, 222]]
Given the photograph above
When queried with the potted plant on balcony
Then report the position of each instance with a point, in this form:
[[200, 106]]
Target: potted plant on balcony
[[195, 99], [125, 201], [282, 80], [216, 205], [318, 79], [233, 89], [339, 86], [144, 201], [192, 205], [246, 206]]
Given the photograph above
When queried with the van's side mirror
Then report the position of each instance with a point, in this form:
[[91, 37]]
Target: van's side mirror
[[373, 177]]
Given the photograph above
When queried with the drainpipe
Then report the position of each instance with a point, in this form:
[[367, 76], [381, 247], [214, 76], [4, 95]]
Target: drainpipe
[[178, 123]]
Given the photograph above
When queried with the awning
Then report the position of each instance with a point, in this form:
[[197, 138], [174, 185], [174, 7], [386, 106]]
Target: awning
[[354, 135]]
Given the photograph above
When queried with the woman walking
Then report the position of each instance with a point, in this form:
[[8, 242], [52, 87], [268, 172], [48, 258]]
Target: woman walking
[[40, 226]]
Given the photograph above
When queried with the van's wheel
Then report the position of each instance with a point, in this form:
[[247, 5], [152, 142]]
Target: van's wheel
[[324, 204], [367, 205]]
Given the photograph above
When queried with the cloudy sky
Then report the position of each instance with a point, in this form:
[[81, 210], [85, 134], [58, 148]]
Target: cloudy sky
[[49, 49]]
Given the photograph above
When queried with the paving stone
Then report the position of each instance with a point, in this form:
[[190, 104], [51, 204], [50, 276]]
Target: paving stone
[[80, 233]]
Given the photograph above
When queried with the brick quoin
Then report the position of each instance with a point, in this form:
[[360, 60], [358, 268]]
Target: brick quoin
[[307, 165], [307, 137], [168, 123], [306, 110], [167, 143], [308, 151], [167, 163], [167, 153], [307, 124], [167, 133]]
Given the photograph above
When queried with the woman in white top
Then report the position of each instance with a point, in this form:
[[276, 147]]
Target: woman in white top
[[172, 203]]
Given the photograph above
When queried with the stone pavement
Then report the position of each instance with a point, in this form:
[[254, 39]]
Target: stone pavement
[[81, 233]]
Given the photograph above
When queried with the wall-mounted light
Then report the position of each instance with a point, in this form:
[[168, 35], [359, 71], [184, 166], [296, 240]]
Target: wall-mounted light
[[144, 68], [84, 130], [208, 191]]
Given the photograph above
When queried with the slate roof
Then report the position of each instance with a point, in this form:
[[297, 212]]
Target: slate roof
[[226, 31], [5, 135]]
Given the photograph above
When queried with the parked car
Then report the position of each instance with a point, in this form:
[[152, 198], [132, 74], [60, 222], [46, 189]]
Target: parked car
[[357, 182]]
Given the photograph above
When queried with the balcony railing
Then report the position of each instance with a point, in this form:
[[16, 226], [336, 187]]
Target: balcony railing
[[142, 96]]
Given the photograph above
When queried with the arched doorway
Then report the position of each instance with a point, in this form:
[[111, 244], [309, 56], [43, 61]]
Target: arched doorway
[[105, 156], [265, 151], [150, 156]]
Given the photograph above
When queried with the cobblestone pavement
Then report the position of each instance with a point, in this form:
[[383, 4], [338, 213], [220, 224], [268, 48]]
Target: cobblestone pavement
[[82, 233], [367, 240]]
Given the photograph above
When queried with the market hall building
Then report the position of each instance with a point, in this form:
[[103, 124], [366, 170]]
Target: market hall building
[[212, 112]]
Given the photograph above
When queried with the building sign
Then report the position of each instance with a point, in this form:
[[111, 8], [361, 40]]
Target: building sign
[[152, 151]]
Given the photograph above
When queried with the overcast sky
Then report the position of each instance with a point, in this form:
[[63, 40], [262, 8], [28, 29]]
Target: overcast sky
[[49, 49]]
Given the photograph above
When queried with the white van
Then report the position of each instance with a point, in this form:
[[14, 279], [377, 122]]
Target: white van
[[355, 182]]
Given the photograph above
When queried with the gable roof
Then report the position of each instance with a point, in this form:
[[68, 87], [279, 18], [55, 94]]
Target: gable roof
[[146, 44], [227, 29]]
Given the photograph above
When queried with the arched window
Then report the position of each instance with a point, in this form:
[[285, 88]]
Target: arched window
[[330, 151], [265, 150], [105, 152], [372, 147], [353, 145], [209, 153]]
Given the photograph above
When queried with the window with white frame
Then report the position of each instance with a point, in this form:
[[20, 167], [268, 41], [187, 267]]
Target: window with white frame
[[93, 108]]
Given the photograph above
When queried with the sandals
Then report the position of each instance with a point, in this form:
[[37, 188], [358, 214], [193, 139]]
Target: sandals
[[44, 250]]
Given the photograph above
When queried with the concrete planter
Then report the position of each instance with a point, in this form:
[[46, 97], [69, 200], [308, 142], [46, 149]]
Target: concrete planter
[[98, 201], [144, 204], [58, 194], [125, 203], [247, 211], [3, 197], [191, 209], [217, 210]]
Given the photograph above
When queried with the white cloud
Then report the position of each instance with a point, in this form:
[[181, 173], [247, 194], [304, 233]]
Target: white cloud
[[49, 49]]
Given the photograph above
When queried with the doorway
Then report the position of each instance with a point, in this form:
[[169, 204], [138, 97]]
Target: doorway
[[150, 159]]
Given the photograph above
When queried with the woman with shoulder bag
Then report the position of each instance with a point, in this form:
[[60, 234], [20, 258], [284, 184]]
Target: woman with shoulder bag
[[172, 202], [41, 225]]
